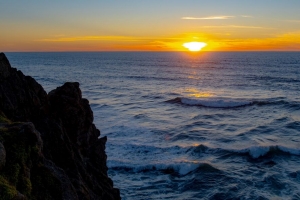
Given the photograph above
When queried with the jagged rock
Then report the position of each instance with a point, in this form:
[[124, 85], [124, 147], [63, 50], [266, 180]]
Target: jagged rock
[[62, 154], [77, 118], [21, 97], [5, 66], [2, 156], [76, 129]]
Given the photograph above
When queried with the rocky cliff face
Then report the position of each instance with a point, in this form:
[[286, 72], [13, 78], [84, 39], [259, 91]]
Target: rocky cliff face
[[49, 146]]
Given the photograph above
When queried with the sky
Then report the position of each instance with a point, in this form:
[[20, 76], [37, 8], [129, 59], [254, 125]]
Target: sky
[[156, 25]]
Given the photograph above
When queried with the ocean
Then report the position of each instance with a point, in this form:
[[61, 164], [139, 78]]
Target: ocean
[[218, 125]]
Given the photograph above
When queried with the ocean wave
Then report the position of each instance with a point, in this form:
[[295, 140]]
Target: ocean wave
[[183, 160], [253, 151], [230, 103], [260, 151], [166, 158], [181, 168], [212, 102]]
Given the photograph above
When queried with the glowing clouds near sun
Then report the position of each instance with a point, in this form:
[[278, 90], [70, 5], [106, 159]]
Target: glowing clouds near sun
[[194, 46]]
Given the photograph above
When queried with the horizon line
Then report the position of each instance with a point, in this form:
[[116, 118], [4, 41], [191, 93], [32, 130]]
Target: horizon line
[[141, 51]]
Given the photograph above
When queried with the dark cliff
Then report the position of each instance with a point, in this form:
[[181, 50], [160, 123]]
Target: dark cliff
[[49, 146]]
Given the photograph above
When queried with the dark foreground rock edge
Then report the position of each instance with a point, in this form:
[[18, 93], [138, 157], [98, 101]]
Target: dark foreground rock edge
[[49, 146]]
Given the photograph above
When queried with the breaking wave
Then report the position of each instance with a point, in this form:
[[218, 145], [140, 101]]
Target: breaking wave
[[253, 151], [170, 164], [229, 103], [181, 168]]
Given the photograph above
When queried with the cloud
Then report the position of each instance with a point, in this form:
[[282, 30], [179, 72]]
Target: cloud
[[251, 27], [290, 36], [284, 42], [247, 16], [107, 38], [236, 26], [89, 38], [288, 41], [208, 18], [292, 21]]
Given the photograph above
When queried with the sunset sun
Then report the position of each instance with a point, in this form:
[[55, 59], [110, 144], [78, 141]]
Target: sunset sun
[[194, 46]]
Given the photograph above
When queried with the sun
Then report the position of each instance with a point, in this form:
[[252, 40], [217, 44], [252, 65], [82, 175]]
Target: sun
[[194, 46]]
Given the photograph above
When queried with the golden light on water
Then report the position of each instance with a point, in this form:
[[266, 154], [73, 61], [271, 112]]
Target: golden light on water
[[192, 92], [194, 46], [201, 95]]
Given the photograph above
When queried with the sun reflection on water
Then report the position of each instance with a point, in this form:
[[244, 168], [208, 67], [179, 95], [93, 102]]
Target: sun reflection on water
[[193, 92]]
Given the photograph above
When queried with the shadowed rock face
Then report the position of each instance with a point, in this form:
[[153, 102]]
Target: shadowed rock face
[[2, 156], [21, 97], [5, 66], [49, 146]]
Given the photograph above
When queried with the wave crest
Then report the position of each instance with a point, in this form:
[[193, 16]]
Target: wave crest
[[180, 168], [253, 151], [221, 102], [212, 102], [261, 151]]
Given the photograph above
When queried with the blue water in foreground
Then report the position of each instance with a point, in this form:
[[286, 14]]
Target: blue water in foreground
[[183, 126]]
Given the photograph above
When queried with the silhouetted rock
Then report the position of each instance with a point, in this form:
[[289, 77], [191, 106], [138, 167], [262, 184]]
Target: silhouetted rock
[[49, 146], [5, 66], [21, 97], [2, 156]]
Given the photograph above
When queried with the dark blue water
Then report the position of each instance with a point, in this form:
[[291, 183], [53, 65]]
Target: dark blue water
[[189, 126]]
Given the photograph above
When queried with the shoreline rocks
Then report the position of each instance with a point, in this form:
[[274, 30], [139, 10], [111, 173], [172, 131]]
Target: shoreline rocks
[[52, 148]]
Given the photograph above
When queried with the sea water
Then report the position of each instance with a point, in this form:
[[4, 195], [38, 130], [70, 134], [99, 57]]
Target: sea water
[[222, 125]]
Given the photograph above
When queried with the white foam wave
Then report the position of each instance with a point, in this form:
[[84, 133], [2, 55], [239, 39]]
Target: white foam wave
[[182, 168], [290, 150], [253, 151], [258, 151], [215, 102]]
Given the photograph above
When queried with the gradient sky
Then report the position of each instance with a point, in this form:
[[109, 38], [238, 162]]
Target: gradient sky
[[156, 25]]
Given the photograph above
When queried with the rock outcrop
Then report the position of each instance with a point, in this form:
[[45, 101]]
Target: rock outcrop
[[49, 146]]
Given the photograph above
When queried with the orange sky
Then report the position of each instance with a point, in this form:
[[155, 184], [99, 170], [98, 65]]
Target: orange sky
[[149, 26]]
